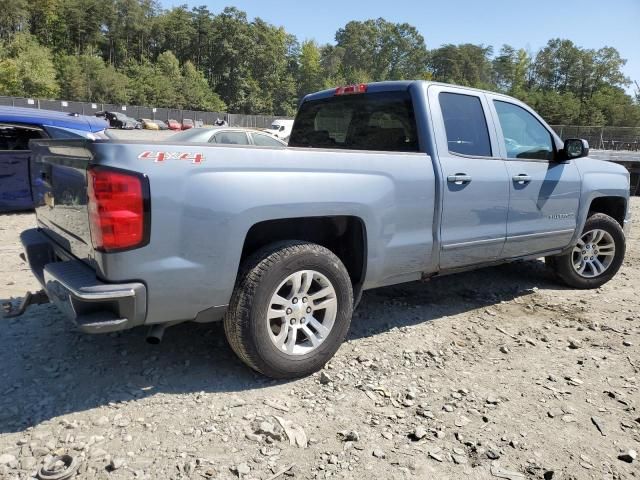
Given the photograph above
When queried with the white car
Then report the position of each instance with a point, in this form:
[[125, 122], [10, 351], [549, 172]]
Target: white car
[[280, 129], [228, 136]]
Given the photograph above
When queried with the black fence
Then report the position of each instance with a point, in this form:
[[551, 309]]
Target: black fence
[[603, 138], [136, 111]]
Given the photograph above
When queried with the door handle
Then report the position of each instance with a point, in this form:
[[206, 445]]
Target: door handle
[[459, 178], [522, 178]]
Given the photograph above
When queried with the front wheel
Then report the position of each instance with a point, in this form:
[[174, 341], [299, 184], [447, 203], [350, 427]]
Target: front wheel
[[597, 256], [290, 310]]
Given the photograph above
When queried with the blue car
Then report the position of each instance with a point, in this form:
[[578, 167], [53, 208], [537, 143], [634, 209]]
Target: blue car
[[17, 127]]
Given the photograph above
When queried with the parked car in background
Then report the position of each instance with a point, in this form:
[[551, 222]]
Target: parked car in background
[[187, 123], [148, 124], [136, 123], [174, 124], [198, 124], [228, 136], [161, 125], [280, 129], [120, 120], [17, 127]]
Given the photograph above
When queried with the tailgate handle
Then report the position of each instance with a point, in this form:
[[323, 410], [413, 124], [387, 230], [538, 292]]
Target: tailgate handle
[[459, 178]]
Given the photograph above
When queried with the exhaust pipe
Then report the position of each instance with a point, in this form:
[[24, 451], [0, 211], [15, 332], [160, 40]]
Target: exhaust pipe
[[155, 333]]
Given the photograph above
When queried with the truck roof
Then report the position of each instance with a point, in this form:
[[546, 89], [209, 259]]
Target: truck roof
[[33, 116], [396, 85]]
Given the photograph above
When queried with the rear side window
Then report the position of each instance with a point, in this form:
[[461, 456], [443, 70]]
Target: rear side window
[[373, 121], [465, 124], [265, 140], [231, 138], [15, 138]]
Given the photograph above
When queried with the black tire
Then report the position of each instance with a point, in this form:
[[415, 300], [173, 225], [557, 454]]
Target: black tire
[[562, 264], [260, 275]]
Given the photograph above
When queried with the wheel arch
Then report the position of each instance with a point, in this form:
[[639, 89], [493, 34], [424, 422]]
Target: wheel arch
[[614, 206], [344, 235]]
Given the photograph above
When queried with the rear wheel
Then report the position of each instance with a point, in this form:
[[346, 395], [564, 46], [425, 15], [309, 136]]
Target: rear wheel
[[596, 257], [290, 310]]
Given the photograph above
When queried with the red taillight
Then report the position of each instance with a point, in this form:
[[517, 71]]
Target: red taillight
[[116, 209], [351, 89]]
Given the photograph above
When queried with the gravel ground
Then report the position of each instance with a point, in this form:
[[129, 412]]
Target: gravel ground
[[498, 373]]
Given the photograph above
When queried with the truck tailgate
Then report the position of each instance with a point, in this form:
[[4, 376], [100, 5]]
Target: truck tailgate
[[59, 186]]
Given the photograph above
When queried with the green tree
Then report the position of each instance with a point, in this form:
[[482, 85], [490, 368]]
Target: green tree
[[71, 78], [465, 64], [511, 70], [175, 31], [27, 69], [128, 29], [331, 58], [310, 75], [45, 22], [381, 50], [14, 18], [167, 68], [196, 91]]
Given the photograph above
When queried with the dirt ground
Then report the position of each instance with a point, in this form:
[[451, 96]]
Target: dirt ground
[[498, 373]]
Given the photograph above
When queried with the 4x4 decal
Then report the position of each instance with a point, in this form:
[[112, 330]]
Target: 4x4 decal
[[162, 156]]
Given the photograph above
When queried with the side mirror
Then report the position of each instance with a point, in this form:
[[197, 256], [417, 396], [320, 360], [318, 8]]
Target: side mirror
[[575, 148]]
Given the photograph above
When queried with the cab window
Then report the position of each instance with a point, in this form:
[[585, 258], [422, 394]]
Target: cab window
[[373, 121], [524, 136], [465, 124]]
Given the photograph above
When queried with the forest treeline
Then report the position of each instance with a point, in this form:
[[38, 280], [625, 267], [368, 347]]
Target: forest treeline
[[135, 52]]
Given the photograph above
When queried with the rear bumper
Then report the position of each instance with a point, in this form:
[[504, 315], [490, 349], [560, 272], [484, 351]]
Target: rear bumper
[[94, 306]]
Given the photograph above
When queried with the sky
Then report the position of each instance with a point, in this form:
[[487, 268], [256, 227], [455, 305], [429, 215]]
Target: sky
[[522, 24]]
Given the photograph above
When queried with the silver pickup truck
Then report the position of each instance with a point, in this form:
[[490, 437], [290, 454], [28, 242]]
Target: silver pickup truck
[[381, 183]]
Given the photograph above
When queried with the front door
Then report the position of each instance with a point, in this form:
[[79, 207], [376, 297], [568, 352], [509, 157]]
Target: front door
[[476, 188], [544, 192]]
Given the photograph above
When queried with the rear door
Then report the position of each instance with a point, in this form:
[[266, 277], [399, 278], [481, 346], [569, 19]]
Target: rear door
[[15, 190], [476, 188], [544, 192]]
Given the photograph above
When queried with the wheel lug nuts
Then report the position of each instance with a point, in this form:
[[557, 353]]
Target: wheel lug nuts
[[591, 258], [295, 300], [303, 321], [304, 300], [289, 311], [293, 321], [308, 309]]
